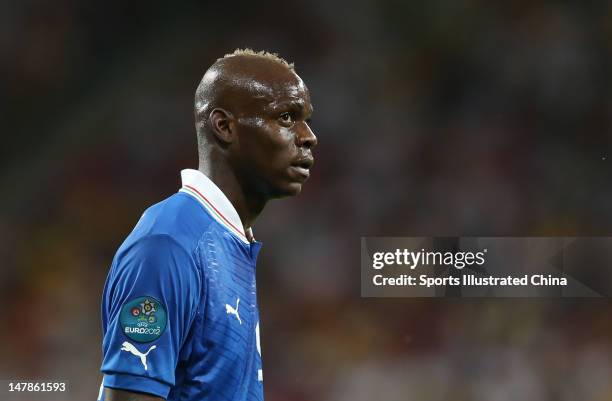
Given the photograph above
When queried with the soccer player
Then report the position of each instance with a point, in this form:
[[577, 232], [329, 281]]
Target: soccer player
[[179, 309]]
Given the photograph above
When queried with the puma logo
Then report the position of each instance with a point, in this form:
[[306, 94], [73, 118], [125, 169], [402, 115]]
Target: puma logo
[[126, 346], [229, 309]]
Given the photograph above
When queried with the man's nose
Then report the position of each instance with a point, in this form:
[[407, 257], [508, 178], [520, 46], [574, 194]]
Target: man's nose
[[305, 137]]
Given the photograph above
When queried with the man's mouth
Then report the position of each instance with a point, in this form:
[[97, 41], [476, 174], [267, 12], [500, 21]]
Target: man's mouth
[[304, 162], [301, 171], [302, 167]]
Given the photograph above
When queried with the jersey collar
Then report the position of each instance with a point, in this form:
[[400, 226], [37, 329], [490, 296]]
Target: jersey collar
[[198, 185]]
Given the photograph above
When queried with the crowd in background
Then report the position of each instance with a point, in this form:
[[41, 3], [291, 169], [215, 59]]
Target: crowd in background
[[438, 119]]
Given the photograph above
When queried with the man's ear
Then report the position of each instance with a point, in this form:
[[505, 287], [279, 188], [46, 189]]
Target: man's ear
[[222, 124]]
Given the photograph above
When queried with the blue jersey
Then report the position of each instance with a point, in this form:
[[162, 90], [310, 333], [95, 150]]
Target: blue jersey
[[179, 308]]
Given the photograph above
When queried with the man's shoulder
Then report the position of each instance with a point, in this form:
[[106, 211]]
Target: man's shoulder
[[178, 217], [177, 209]]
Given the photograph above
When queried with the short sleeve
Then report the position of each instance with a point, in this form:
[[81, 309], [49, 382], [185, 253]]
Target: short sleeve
[[149, 304]]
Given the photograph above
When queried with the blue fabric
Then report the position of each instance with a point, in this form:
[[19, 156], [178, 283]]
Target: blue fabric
[[204, 278]]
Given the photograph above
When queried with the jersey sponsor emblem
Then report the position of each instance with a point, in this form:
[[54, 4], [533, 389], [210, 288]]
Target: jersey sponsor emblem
[[143, 319], [126, 346], [229, 309]]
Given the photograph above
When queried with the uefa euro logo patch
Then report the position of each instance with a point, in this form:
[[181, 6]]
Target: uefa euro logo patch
[[143, 319]]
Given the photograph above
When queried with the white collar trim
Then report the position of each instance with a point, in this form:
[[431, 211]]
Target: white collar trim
[[199, 186]]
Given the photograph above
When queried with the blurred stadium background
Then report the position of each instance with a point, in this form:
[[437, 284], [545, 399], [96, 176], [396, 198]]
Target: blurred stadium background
[[439, 118]]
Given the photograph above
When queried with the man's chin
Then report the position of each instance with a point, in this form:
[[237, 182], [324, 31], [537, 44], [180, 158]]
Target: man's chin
[[291, 189]]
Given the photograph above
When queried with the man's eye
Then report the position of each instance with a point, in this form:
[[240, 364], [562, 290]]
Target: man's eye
[[286, 117]]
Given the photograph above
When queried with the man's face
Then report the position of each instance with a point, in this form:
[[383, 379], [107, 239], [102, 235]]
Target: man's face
[[274, 152]]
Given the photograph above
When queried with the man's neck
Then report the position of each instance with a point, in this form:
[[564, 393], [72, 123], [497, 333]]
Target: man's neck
[[248, 206]]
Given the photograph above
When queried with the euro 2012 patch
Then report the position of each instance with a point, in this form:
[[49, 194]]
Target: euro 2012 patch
[[143, 319]]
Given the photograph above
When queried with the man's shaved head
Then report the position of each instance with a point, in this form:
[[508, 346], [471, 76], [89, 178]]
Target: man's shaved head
[[252, 112], [262, 53], [236, 80]]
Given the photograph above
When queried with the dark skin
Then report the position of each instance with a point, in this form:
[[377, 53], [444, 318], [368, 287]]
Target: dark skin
[[254, 140], [254, 112]]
